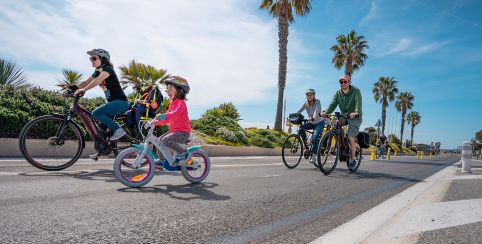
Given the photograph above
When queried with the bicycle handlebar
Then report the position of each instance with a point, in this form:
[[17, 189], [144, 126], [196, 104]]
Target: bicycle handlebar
[[339, 115]]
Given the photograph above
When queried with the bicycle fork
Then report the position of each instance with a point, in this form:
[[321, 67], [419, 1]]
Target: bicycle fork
[[140, 156]]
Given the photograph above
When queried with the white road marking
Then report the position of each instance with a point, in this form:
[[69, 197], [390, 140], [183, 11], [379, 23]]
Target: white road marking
[[436, 216], [467, 177], [95, 170], [359, 228], [266, 176]]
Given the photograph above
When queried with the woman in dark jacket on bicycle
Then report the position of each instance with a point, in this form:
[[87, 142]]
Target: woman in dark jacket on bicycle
[[105, 77]]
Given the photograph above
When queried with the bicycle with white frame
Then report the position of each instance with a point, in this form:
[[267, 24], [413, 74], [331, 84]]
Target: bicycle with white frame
[[136, 166]]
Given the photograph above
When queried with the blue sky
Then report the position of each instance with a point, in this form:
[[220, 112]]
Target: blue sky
[[228, 51]]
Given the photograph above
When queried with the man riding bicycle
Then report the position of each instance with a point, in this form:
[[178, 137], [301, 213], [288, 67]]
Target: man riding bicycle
[[349, 99]]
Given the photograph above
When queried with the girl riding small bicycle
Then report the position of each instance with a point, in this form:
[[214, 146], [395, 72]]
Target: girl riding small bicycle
[[177, 118]]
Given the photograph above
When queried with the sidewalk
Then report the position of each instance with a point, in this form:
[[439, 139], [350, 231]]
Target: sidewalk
[[444, 208]]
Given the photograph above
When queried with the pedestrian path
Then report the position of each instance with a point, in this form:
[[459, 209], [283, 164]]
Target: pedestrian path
[[441, 205]]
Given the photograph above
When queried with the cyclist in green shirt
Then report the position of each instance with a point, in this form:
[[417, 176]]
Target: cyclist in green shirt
[[349, 99]]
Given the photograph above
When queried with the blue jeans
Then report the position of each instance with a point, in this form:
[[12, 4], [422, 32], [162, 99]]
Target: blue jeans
[[315, 138], [104, 113]]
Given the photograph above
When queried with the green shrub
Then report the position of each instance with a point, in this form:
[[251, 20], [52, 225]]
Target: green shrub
[[19, 106], [260, 142], [230, 111], [209, 123], [226, 134], [241, 136]]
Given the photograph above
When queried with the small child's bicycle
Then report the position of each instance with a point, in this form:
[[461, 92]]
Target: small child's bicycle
[[135, 166]]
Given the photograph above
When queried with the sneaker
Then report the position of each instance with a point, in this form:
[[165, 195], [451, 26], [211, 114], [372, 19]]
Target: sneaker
[[313, 159], [119, 133], [159, 165], [181, 158], [352, 163]]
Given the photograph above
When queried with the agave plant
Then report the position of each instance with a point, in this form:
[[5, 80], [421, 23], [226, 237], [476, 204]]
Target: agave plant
[[70, 77], [11, 74]]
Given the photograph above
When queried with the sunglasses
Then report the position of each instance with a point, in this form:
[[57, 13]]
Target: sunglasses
[[343, 82], [93, 59]]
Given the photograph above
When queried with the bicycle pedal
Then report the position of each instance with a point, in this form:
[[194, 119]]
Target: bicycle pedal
[[189, 162]]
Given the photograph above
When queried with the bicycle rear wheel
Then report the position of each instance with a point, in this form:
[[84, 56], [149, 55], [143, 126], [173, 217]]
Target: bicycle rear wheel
[[328, 153], [46, 145], [292, 151], [201, 159]]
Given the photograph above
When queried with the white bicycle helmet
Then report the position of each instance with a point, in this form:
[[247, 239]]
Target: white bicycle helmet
[[178, 81], [310, 91]]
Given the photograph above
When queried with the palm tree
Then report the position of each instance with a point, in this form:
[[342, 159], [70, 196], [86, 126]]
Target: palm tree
[[385, 90], [282, 10], [140, 75], [413, 119], [11, 74], [349, 52], [404, 102], [71, 77]]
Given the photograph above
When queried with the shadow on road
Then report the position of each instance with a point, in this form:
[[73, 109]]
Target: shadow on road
[[106, 175], [185, 192], [360, 174]]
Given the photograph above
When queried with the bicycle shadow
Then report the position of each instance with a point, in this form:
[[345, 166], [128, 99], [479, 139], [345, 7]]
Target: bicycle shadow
[[106, 175], [184, 192], [361, 174]]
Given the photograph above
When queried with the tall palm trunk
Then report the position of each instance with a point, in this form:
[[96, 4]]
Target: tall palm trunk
[[411, 136], [384, 116], [402, 127], [283, 61]]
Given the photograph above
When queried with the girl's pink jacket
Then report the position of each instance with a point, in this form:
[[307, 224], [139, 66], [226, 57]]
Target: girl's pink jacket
[[177, 117]]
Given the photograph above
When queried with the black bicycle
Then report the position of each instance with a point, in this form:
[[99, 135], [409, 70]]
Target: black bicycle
[[294, 147], [334, 146], [381, 152], [55, 142]]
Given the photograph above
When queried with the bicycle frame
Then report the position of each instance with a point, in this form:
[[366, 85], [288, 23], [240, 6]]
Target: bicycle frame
[[152, 139]]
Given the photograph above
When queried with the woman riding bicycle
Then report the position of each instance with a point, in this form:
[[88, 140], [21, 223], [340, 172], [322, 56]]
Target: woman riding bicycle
[[313, 109], [105, 77]]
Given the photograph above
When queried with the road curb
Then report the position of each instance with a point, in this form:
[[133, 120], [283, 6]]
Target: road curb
[[363, 226]]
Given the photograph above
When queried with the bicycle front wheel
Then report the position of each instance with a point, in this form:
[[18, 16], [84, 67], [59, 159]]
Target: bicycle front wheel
[[49, 144], [328, 153], [292, 151], [129, 175]]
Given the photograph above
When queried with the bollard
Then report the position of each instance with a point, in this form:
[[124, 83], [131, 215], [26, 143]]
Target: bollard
[[388, 154], [466, 157], [430, 156], [372, 153]]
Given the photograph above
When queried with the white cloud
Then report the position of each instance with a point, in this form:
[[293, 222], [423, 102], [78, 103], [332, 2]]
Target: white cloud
[[372, 14], [407, 46], [226, 53]]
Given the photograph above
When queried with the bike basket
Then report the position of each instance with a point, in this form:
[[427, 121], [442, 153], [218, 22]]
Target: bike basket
[[295, 118], [363, 139]]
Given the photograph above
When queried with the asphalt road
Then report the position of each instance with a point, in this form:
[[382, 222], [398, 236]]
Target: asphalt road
[[253, 199]]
